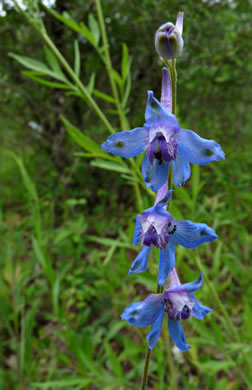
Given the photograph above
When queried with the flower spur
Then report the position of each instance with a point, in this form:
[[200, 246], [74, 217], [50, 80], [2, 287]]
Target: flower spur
[[178, 302]]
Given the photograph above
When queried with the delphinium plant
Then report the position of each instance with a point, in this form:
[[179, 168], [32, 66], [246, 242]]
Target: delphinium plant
[[169, 150]]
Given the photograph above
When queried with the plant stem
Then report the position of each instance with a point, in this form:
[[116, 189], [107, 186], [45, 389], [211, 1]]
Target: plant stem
[[173, 76], [146, 368], [108, 64], [69, 70], [174, 86]]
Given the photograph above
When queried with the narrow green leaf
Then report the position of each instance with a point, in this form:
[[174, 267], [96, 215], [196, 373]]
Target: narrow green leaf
[[37, 66], [64, 18], [52, 61], [126, 91], [33, 76], [84, 30], [91, 82], [84, 141], [103, 96], [125, 61], [64, 383], [111, 166], [110, 241], [116, 77], [76, 58], [213, 366], [94, 27], [31, 63]]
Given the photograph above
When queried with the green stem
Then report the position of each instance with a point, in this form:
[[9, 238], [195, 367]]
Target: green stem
[[174, 86], [146, 368], [123, 120], [69, 70], [108, 64], [173, 74], [77, 81]]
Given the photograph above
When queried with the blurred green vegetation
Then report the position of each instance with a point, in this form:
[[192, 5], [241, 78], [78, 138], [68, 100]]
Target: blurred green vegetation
[[66, 225]]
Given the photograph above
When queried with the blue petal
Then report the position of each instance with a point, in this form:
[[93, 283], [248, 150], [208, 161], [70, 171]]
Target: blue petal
[[156, 114], [141, 261], [137, 232], [154, 334], [199, 311], [154, 175], [166, 261], [190, 234], [198, 150], [180, 168], [177, 335], [143, 313], [188, 287], [127, 143]]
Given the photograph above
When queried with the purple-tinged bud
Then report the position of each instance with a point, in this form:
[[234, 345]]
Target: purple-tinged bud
[[168, 39]]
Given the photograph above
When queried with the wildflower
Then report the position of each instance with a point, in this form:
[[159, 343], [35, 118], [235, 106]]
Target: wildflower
[[168, 39], [156, 227], [178, 302], [165, 144]]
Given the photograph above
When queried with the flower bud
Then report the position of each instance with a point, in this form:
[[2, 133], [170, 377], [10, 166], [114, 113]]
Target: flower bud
[[168, 39]]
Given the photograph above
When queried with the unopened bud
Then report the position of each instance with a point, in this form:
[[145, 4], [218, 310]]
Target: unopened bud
[[168, 40]]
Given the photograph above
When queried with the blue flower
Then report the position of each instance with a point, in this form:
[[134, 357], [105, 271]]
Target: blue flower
[[156, 227], [178, 302], [165, 143]]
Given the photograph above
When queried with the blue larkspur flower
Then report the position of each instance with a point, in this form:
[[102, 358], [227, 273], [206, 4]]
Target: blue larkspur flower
[[156, 227], [165, 143], [178, 302]]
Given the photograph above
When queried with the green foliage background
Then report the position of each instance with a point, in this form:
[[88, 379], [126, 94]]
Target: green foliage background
[[66, 225]]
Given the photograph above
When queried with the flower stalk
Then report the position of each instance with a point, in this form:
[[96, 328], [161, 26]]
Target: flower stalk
[[172, 100]]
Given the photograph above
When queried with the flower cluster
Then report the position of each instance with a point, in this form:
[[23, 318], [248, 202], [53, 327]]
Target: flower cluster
[[166, 146]]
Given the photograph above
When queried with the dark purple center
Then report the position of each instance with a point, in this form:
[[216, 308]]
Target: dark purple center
[[172, 311], [162, 150], [151, 237], [185, 313]]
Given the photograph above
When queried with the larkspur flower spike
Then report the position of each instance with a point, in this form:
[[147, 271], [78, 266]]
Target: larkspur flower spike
[[156, 227], [168, 39], [164, 142], [178, 302]]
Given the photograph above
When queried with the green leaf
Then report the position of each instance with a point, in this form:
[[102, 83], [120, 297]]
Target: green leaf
[[125, 64], [87, 34], [126, 91], [63, 383], [37, 66], [111, 166], [52, 61], [213, 366], [116, 77], [94, 27], [84, 141], [33, 76], [64, 18], [76, 58], [110, 241], [43, 260], [31, 63], [91, 82], [103, 96]]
